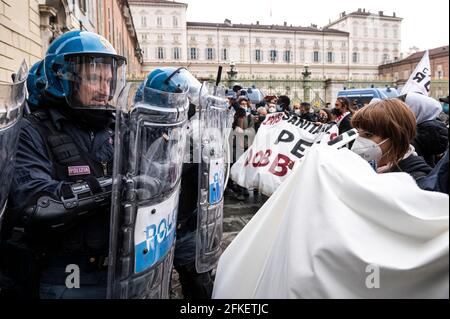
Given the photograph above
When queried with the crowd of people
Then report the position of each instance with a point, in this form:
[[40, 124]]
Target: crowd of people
[[408, 133], [70, 133]]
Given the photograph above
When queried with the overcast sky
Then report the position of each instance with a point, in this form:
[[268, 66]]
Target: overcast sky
[[425, 23]]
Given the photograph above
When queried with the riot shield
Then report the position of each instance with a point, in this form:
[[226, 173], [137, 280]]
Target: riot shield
[[215, 120], [12, 100], [149, 151]]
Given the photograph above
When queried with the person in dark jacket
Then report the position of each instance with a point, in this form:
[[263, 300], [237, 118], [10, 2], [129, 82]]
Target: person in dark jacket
[[386, 129], [305, 112], [431, 138], [343, 112], [438, 179]]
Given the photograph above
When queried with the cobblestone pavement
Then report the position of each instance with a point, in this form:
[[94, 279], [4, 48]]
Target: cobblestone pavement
[[236, 214]]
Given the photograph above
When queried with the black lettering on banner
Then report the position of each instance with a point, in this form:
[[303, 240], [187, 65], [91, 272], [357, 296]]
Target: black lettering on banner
[[282, 138], [287, 116], [427, 86], [419, 77], [292, 120], [299, 150], [303, 124]]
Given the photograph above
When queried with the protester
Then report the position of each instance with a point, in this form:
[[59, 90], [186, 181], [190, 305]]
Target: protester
[[343, 113], [283, 104], [386, 130], [324, 116], [260, 117], [305, 112], [431, 138]]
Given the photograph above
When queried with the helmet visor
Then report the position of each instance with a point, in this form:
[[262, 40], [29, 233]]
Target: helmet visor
[[93, 82]]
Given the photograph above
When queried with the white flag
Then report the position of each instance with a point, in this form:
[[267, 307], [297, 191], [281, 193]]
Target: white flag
[[420, 79]]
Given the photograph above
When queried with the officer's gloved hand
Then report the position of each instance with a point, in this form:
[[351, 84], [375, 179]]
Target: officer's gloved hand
[[147, 186]]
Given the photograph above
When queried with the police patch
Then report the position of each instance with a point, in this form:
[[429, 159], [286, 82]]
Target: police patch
[[79, 170]]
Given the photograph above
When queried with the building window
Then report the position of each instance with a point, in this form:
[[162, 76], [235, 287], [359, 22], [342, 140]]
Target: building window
[[302, 56], [365, 58], [210, 54], [366, 32], [273, 55], [355, 57], [159, 37], [385, 32], [193, 54], [242, 54], [330, 57], [258, 56], [355, 31], [343, 44], [176, 38], [343, 58], [316, 57], [193, 38], [385, 58], [330, 44], [258, 41], [242, 40], [224, 54], [176, 53], [83, 5], [316, 43], [175, 22], [160, 53], [144, 22], [159, 21], [375, 32], [395, 33], [273, 42], [302, 43], [287, 56]]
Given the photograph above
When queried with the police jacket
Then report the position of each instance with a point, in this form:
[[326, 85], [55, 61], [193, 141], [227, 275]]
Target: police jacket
[[54, 152]]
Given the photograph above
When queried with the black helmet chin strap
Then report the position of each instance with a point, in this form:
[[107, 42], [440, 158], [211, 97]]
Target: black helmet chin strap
[[166, 81]]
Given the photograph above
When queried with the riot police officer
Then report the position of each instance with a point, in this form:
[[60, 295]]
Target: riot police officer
[[195, 285], [58, 214]]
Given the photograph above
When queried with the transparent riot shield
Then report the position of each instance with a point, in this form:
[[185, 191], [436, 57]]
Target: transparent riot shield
[[215, 120], [12, 100], [149, 151]]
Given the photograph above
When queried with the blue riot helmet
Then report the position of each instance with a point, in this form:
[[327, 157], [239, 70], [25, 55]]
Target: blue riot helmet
[[84, 69], [35, 84], [171, 80]]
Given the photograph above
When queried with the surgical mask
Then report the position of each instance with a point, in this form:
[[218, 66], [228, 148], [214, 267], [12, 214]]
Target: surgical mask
[[279, 108], [297, 111], [272, 109], [368, 149]]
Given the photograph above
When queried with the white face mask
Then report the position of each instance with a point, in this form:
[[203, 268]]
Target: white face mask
[[272, 109], [297, 111], [368, 149]]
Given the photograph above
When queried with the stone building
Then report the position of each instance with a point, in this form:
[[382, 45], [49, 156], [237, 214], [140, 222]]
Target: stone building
[[29, 26], [350, 48], [19, 35], [401, 70]]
